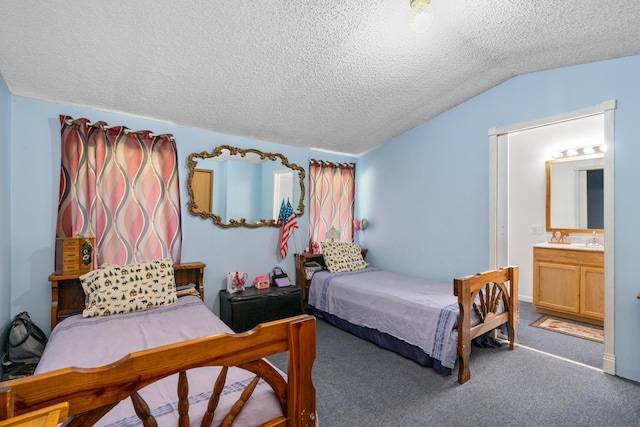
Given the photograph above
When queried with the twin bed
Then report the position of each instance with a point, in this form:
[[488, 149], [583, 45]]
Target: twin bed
[[431, 323], [171, 364], [176, 363]]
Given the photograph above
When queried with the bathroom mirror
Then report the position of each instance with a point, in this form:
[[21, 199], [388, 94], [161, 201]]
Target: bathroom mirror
[[244, 187], [575, 194]]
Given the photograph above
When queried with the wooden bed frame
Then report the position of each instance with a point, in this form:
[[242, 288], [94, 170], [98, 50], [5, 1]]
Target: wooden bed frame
[[467, 289], [91, 393], [492, 289], [67, 296]]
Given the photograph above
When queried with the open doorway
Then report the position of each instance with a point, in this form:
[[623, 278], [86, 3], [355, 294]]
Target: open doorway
[[518, 195]]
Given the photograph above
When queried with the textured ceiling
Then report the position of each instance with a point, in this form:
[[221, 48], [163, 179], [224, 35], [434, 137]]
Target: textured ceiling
[[344, 76]]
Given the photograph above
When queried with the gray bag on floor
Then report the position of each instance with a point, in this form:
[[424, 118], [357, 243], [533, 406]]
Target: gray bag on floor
[[24, 345]]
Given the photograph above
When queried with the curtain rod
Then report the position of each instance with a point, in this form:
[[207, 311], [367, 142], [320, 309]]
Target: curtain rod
[[333, 164], [126, 130]]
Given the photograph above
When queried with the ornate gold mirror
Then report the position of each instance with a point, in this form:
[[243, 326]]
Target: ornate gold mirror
[[575, 194], [238, 187]]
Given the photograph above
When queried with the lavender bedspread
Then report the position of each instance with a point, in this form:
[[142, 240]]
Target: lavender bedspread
[[419, 312], [96, 341]]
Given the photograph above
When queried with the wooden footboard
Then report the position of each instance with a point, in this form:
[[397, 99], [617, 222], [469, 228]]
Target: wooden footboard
[[493, 289], [91, 393]]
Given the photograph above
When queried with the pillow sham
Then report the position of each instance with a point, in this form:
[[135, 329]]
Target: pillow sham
[[118, 289], [340, 256]]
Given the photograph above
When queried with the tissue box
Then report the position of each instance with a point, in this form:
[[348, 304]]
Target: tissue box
[[261, 282]]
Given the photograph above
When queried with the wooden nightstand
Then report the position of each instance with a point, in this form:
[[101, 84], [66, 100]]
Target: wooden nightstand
[[301, 276], [244, 310]]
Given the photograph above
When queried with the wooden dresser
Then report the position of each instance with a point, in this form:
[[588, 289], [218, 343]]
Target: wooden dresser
[[569, 282]]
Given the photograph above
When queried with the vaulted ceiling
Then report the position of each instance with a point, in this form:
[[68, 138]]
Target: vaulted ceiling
[[344, 76]]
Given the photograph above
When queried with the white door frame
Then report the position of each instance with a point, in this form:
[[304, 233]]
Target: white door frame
[[498, 231]]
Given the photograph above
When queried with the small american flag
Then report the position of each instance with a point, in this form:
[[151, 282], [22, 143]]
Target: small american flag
[[289, 222]]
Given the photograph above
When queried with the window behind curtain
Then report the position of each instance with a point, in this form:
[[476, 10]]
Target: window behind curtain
[[121, 187], [331, 199]]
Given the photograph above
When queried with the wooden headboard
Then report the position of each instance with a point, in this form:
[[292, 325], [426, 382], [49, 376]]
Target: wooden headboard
[[67, 296], [301, 278]]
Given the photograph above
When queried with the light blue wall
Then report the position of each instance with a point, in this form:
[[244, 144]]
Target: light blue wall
[[245, 200], [34, 193], [5, 219], [426, 193]]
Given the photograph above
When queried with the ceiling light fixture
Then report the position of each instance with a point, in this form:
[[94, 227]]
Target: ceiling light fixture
[[421, 15]]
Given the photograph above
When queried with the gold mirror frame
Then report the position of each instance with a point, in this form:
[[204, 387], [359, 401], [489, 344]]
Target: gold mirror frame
[[559, 231], [242, 222]]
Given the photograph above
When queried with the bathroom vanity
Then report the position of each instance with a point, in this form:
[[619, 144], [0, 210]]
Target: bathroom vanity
[[568, 281]]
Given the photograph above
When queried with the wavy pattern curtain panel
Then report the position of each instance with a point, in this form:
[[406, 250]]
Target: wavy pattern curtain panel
[[121, 187], [331, 199]]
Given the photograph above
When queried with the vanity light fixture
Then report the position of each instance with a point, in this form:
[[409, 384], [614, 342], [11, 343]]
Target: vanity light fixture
[[421, 15], [571, 152]]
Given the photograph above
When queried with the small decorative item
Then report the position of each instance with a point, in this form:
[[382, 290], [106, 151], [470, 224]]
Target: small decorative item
[[74, 254], [261, 282], [236, 281], [332, 234], [279, 278], [315, 248], [310, 268], [360, 224], [558, 237]]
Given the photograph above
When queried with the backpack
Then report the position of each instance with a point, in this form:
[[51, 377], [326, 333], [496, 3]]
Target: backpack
[[24, 344]]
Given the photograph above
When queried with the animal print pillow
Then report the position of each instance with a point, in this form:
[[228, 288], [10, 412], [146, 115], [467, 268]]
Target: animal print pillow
[[340, 256], [122, 289]]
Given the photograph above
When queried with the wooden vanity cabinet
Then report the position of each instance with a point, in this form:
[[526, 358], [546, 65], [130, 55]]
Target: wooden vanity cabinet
[[569, 283]]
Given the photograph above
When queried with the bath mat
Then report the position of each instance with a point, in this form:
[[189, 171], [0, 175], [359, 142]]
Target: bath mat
[[586, 332]]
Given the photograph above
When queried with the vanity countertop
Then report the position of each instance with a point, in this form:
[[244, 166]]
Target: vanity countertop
[[571, 246]]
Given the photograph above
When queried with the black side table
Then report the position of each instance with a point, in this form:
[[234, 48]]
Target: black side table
[[244, 310]]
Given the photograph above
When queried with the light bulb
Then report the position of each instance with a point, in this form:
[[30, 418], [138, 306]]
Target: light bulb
[[421, 15], [588, 150], [572, 152]]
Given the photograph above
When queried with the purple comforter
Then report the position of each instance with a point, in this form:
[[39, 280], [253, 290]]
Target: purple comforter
[[419, 312], [92, 342]]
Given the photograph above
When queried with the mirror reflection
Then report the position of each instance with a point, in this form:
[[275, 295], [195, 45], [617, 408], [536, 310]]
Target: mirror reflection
[[243, 187], [575, 194]]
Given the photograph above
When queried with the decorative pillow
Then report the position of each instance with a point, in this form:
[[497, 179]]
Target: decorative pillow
[[117, 289], [340, 256]]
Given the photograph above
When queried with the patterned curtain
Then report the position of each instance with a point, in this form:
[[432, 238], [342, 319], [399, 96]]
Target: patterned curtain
[[331, 199], [121, 187]]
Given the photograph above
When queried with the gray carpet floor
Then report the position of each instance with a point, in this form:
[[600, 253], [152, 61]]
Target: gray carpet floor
[[360, 384], [577, 349]]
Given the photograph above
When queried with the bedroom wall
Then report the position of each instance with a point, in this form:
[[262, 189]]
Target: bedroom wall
[[34, 192], [427, 190], [5, 219]]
